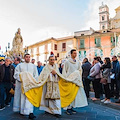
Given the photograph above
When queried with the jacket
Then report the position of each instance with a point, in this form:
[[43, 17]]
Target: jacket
[[95, 71], [2, 73], [115, 65], [86, 69], [106, 72]]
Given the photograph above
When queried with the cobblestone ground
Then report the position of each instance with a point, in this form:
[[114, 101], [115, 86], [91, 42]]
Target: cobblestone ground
[[91, 112]]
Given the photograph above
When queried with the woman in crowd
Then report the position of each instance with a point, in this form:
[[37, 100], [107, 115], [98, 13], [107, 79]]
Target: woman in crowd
[[106, 67], [96, 73]]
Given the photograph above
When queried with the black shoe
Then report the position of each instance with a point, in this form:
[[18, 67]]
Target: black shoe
[[69, 112], [73, 111], [7, 104], [2, 108], [31, 116], [57, 115], [117, 101], [47, 112], [116, 97]]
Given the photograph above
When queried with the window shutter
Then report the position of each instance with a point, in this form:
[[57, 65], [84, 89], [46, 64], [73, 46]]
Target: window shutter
[[116, 39], [95, 41], [81, 43], [112, 52], [85, 53], [95, 52], [98, 42], [79, 53], [57, 54], [55, 46], [111, 39], [101, 52], [63, 46]]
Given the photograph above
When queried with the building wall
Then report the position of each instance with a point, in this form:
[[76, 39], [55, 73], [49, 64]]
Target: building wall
[[90, 49], [41, 51]]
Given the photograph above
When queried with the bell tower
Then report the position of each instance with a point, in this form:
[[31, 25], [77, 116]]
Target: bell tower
[[104, 17]]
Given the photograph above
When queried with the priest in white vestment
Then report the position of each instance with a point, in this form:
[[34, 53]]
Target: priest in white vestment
[[69, 67], [50, 101], [21, 102]]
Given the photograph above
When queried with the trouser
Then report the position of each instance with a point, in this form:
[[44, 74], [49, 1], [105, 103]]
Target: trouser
[[5, 88], [97, 87], [114, 88], [86, 83], [107, 90]]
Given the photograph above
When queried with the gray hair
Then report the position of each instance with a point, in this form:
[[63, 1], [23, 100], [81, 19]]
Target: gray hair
[[8, 58]]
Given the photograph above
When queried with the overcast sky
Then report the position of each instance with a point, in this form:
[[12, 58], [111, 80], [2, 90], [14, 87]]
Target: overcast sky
[[42, 19]]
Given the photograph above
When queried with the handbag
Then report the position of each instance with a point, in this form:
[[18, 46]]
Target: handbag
[[103, 81], [12, 90]]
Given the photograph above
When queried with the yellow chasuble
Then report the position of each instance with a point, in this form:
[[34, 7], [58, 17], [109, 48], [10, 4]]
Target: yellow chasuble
[[68, 92], [68, 86]]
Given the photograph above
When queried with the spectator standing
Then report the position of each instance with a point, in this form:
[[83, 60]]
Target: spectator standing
[[101, 86], [114, 86], [106, 76], [17, 60], [6, 80], [39, 67], [33, 61], [86, 70], [96, 73]]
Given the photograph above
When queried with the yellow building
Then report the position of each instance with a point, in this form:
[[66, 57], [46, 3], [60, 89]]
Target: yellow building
[[40, 51]]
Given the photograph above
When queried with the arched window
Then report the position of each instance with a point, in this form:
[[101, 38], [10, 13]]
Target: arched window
[[103, 27], [103, 17]]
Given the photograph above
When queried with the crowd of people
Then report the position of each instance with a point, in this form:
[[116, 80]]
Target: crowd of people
[[104, 76], [38, 86], [101, 76]]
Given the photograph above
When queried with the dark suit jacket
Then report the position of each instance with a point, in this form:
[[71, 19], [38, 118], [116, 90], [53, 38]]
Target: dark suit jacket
[[86, 69]]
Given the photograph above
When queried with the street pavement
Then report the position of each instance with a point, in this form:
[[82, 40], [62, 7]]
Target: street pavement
[[91, 112]]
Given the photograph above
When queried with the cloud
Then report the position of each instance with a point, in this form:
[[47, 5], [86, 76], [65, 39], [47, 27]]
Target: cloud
[[40, 20], [48, 32]]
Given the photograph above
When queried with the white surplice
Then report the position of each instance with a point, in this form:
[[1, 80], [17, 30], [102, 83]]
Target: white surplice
[[69, 67], [49, 105], [21, 102]]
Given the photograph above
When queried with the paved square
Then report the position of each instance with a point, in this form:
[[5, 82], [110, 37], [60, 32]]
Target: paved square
[[91, 112]]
